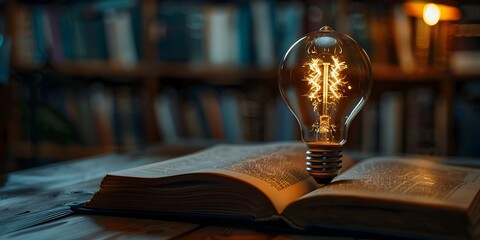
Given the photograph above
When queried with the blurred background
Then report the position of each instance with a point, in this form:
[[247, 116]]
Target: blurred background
[[87, 77]]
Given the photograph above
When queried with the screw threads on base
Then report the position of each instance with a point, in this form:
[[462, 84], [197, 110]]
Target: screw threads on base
[[324, 162]]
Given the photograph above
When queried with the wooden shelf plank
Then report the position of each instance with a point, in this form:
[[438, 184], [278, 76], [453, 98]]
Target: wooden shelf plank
[[392, 73], [99, 68]]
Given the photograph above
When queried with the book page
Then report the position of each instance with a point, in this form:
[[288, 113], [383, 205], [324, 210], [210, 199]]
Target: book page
[[276, 169], [238, 158], [280, 174], [410, 180], [279, 169]]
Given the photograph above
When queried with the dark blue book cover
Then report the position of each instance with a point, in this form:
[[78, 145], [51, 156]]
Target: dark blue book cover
[[93, 30], [66, 31], [174, 40], [245, 37], [40, 53], [466, 114], [5, 50]]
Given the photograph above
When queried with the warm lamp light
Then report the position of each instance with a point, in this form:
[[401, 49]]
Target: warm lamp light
[[325, 79], [431, 14], [418, 9]]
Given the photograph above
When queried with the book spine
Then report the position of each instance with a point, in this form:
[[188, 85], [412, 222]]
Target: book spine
[[402, 39], [466, 114], [244, 36], [211, 106], [289, 25], [173, 45], [166, 110], [263, 30], [220, 35], [119, 35], [23, 34], [194, 98], [229, 103], [101, 100], [40, 54], [391, 122], [419, 122], [5, 54], [52, 29]]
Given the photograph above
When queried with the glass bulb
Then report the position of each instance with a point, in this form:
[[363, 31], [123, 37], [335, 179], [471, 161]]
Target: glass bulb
[[325, 79]]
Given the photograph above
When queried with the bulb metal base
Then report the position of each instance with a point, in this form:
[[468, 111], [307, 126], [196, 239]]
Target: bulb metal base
[[324, 162]]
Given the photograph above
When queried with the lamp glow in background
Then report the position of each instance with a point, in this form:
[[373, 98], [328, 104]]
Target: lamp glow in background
[[446, 12], [431, 14], [325, 79]]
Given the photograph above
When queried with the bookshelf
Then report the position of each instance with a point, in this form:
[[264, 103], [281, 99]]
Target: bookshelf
[[177, 65]]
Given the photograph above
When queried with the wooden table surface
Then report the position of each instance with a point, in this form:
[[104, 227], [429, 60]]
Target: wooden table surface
[[35, 204]]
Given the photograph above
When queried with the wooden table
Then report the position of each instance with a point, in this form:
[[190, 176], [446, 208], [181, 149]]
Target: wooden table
[[35, 204]]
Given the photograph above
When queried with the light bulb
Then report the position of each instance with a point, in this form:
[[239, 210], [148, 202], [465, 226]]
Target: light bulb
[[325, 79]]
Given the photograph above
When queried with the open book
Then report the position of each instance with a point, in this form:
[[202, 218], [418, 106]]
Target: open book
[[268, 182]]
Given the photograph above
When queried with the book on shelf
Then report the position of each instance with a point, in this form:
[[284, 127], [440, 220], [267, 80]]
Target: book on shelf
[[369, 117], [466, 113], [391, 122], [5, 50], [166, 112], [220, 35], [230, 110], [119, 37], [192, 119], [253, 110], [96, 30], [210, 103], [403, 34], [101, 101], [267, 185], [23, 38], [280, 124], [127, 130], [263, 33], [289, 25], [175, 39], [422, 132], [465, 55]]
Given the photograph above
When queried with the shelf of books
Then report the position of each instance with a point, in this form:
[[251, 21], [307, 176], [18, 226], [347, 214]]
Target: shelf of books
[[132, 73]]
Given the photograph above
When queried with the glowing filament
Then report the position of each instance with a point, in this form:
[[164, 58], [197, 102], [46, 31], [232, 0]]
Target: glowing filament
[[325, 82]]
